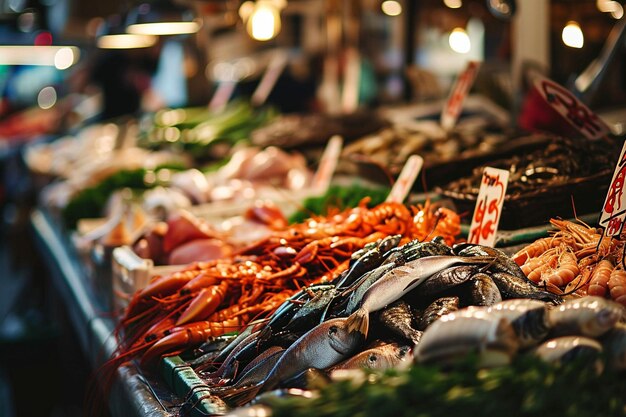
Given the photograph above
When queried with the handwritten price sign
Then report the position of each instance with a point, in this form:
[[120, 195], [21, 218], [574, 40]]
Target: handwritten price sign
[[573, 110], [488, 206], [407, 177], [614, 209], [459, 91]]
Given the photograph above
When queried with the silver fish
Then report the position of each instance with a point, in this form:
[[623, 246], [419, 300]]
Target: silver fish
[[258, 369], [614, 343], [484, 292], [529, 319], [512, 286], [379, 358], [321, 347], [587, 316], [401, 280], [454, 336], [568, 348], [448, 278]]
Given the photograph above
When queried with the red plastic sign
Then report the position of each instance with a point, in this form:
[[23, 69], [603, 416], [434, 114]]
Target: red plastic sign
[[573, 110], [488, 206], [459, 91]]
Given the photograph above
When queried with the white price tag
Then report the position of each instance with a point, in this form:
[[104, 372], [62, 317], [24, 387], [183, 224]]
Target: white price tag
[[488, 206], [573, 110], [614, 208], [405, 181], [328, 164], [459, 91], [270, 76], [221, 97]]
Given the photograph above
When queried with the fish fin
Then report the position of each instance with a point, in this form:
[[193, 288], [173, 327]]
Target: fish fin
[[358, 321], [242, 395]]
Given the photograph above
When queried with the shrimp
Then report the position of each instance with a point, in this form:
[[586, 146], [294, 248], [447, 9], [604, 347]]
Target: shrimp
[[598, 284], [566, 271], [537, 248], [617, 285], [535, 268]]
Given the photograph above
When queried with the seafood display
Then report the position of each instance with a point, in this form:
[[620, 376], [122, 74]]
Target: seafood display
[[208, 299], [393, 302], [457, 367], [578, 260]]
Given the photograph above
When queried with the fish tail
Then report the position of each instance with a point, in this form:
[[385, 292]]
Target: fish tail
[[358, 321]]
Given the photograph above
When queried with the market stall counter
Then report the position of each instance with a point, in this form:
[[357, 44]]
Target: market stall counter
[[131, 394]]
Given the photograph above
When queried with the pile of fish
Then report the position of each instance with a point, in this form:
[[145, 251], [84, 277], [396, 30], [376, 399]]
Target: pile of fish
[[387, 304]]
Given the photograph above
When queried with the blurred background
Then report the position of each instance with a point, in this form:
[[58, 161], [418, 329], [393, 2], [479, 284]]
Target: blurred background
[[66, 64]]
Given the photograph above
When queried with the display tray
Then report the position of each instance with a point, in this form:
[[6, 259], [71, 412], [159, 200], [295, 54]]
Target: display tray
[[132, 393], [537, 207]]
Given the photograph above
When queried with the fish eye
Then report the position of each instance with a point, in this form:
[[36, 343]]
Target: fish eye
[[373, 358], [333, 330]]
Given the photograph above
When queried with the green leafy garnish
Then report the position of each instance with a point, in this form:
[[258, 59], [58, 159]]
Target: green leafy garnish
[[339, 197]]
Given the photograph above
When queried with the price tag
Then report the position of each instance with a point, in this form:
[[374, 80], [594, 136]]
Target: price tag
[[614, 209], [270, 76], [573, 110], [222, 95], [488, 207], [459, 91], [328, 163], [407, 177]]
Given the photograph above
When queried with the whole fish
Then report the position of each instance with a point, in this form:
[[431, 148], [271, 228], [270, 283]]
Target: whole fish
[[380, 358], [257, 370], [438, 309], [571, 348], [529, 319], [415, 249], [483, 291], [311, 311], [364, 284], [321, 347], [446, 279], [587, 316], [454, 336], [398, 317], [511, 286], [502, 263], [233, 348], [403, 279], [369, 260]]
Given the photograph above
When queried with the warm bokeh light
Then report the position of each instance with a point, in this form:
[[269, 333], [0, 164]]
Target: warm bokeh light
[[126, 41], [391, 8], [61, 57], [572, 35], [164, 28], [47, 97], [264, 23], [453, 4], [64, 58], [459, 41]]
